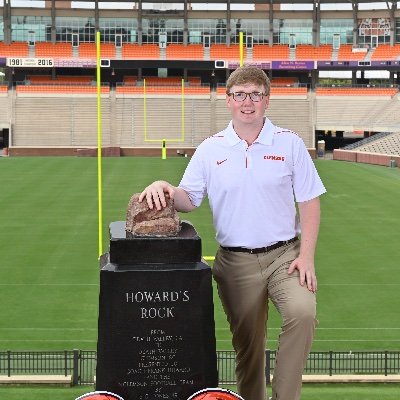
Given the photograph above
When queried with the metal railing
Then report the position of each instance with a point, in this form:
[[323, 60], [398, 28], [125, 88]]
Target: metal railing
[[81, 364]]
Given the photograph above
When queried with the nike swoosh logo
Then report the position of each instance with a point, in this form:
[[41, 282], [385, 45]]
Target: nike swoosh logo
[[220, 162]]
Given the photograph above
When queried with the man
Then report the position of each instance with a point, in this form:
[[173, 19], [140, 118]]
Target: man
[[253, 173]]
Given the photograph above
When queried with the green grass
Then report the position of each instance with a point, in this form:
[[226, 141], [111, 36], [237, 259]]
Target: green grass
[[49, 258], [309, 392], [49, 250]]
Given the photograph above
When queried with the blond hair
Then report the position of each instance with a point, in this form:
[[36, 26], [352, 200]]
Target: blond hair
[[248, 74]]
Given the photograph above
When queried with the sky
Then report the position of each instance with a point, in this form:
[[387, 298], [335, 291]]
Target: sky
[[203, 6]]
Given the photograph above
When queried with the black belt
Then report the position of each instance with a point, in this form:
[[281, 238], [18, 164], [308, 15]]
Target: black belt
[[261, 249]]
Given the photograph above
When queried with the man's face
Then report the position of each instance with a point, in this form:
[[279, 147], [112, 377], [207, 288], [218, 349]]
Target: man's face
[[247, 111]]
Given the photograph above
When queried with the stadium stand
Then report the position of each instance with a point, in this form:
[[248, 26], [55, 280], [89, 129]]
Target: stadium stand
[[145, 51], [59, 121], [367, 113], [366, 140], [14, 49], [309, 52], [265, 52], [223, 52], [88, 50], [66, 89], [47, 49], [164, 90], [179, 52], [289, 91], [131, 80], [294, 87], [356, 91], [284, 81], [48, 79], [346, 53], [385, 144], [386, 52]]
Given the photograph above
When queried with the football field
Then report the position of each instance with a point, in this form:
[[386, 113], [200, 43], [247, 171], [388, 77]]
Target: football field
[[49, 271]]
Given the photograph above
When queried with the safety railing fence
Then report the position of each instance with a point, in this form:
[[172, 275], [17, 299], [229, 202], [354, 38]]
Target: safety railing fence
[[81, 364]]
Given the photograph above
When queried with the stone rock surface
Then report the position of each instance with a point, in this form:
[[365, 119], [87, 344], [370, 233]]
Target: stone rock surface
[[142, 221]]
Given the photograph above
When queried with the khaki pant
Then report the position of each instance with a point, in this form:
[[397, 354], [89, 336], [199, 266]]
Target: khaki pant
[[245, 283]]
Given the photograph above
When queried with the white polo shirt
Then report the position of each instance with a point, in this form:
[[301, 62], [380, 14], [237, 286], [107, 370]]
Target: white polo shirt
[[252, 189]]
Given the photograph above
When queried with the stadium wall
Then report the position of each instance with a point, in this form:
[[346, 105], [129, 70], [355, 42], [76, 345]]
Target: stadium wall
[[366, 157]]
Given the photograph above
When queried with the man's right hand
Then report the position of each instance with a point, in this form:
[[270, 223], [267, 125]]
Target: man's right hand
[[155, 194]]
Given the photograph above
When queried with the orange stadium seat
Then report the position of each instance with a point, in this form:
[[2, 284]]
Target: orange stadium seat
[[221, 90], [88, 50], [130, 79], [194, 81], [223, 52], [309, 52], [190, 52], [166, 90], [265, 52], [3, 88], [386, 52], [61, 89], [168, 81], [145, 51], [15, 49], [47, 49], [282, 91], [75, 79], [355, 91], [47, 79], [129, 90], [40, 78], [284, 81], [346, 53]]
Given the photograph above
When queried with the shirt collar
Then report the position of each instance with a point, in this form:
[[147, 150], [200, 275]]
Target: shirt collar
[[265, 136]]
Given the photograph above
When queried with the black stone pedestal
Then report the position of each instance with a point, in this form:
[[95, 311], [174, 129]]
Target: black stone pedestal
[[156, 335]]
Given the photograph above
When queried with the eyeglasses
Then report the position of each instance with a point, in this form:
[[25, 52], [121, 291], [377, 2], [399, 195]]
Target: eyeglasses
[[242, 96]]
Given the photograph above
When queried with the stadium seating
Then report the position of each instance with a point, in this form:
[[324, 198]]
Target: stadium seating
[[265, 52], [3, 88], [164, 90], [59, 121], [53, 50], [288, 91], [223, 52], [346, 53], [284, 81], [61, 89], [191, 52], [309, 52], [15, 49], [145, 51], [389, 144], [88, 50], [47, 79], [386, 52], [167, 81], [356, 91], [131, 80]]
